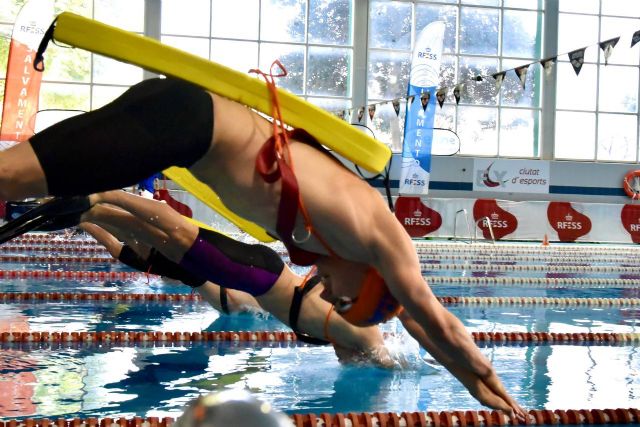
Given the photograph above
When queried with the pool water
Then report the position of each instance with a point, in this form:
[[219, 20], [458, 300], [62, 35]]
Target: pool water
[[157, 379]]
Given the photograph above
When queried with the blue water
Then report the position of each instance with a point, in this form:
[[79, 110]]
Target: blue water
[[88, 380]]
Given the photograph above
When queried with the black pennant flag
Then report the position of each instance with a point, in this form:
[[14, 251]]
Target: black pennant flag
[[547, 64], [424, 99], [607, 47], [457, 92], [360, 114], [372, 111], [499, 79], [635, 38], [577, 59], [396, 106], [410, 101], [441, 94], [521, 72]]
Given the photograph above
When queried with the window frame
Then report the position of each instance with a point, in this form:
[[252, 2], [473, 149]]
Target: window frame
[[360, 52]]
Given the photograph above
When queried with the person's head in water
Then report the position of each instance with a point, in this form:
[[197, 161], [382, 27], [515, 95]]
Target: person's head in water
[[363, 299], [231, 408]]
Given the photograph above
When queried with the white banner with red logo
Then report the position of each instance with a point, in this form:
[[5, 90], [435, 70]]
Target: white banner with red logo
[[513, 176], [528, 220], [22, 85], [421, 107]]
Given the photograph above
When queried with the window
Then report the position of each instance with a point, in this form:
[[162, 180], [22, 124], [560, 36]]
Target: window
[[597, 110], [339, 65], [312, 39], [75, 79], [481, 38]]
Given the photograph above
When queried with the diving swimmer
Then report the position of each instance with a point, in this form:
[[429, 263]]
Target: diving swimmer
[[323, 212], [233, 277]]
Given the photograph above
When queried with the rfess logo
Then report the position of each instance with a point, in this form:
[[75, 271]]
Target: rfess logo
[[490, 218], [32, 28], [418, 219], [567, 222], [495, 221], [427, 54], [414, 180]]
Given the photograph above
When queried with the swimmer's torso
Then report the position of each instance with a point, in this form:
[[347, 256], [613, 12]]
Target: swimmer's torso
[[337, 210]]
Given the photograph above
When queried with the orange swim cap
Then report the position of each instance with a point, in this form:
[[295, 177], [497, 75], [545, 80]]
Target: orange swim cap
[[374, 304]]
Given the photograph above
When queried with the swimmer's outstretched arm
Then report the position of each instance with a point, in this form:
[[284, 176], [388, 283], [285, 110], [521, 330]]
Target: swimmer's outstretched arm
[[489, 391], [435, 328]]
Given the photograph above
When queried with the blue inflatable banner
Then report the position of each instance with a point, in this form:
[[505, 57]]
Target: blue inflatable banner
[[420, 112]]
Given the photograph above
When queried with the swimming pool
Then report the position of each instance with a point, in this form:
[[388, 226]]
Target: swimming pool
[[559, 323]]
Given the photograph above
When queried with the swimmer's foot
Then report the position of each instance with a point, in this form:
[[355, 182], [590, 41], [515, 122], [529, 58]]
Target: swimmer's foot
[[54, 214], [61, 222]]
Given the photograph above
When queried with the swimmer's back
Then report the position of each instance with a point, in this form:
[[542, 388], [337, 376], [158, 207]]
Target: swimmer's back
[[339, 202]]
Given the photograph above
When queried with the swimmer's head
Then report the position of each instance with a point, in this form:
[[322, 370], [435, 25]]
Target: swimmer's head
[[374, 303], [230, 408]]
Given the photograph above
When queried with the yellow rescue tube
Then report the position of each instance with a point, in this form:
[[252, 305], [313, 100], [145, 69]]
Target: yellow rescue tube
[[206, 195], [148, 53], [329, 130]]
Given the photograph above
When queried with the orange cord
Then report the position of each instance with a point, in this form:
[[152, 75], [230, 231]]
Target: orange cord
[[281, 141], [327, 336], [307, 276]]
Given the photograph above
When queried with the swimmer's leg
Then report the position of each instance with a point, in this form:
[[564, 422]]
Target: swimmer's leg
[[174, 235], [125, 226], [139, 236], [155, 124], [21, 175], [103, 237], [224, 261]]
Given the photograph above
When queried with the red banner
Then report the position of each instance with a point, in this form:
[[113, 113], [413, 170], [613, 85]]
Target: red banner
[[486, 212], [567, 222], [21, 95], [181, 208], [630, 216], [418, 219], [22, 85]]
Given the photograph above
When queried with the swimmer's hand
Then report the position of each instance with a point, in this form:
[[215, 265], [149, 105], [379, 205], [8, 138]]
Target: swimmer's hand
[[490, 392]]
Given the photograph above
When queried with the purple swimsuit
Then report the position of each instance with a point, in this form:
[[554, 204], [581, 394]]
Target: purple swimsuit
[[249, 268]]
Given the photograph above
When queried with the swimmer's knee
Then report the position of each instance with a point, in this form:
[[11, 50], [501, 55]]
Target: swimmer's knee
[[182, 237]]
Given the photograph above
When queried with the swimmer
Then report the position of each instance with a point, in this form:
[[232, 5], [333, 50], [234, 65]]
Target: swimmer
[[323, 213], [236, 276]]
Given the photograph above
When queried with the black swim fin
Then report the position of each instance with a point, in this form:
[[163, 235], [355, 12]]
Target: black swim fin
[[61, 222], [13, 229], [55, 214]]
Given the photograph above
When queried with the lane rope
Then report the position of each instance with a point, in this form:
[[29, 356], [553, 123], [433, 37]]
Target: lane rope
[[624, 281], [90, 276], [165, 337], [41, 297], [36, 259], [461, 418]]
